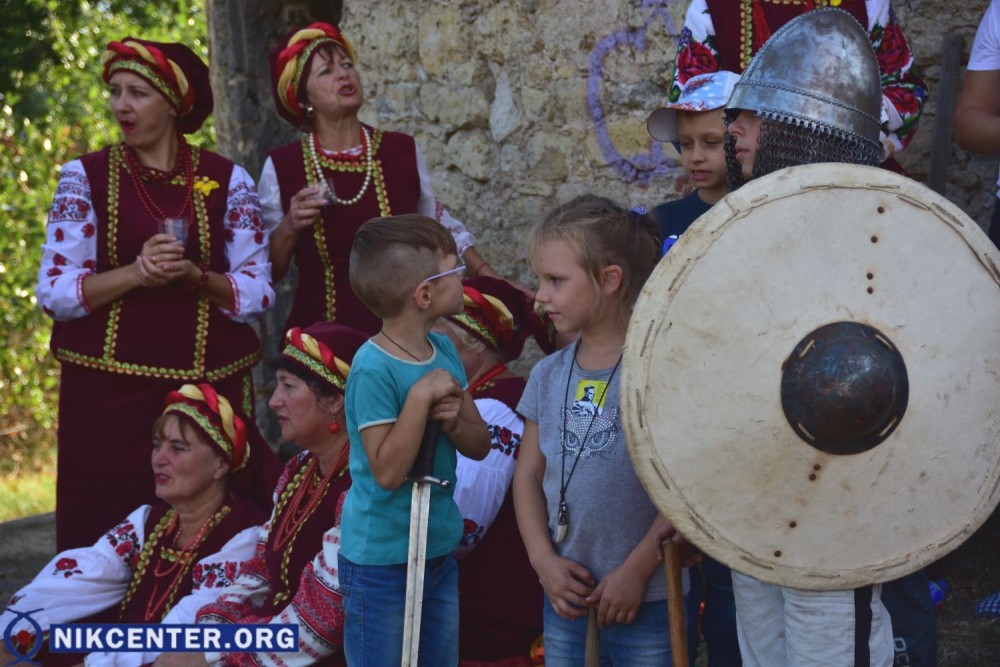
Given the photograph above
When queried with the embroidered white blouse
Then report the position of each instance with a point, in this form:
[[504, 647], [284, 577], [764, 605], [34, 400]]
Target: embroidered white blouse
[[270, 201], [70, 251], [80, 582]]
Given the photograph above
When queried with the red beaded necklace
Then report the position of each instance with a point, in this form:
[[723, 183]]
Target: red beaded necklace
[[140, 173], [305, 499], [170, 565], [484, 379]]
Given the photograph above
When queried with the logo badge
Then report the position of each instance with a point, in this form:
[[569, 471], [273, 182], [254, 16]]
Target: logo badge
[[22, 644]]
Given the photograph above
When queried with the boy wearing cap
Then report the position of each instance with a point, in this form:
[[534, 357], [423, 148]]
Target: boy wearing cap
[[695, 125]]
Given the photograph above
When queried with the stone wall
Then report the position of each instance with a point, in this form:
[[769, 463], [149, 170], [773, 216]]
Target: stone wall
[[520, 104]]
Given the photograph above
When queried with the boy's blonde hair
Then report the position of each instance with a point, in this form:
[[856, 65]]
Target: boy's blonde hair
[[392, 255], [602, 233]]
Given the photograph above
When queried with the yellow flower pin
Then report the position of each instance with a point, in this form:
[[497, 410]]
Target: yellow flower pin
[[205, 185]]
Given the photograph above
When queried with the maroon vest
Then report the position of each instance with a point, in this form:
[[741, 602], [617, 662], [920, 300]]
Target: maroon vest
[[162, 332], [153, 596], [286, 561], [323, 291], [734, 28]]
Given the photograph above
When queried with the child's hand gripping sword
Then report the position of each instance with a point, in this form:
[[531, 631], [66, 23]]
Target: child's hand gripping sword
[[422, 478]]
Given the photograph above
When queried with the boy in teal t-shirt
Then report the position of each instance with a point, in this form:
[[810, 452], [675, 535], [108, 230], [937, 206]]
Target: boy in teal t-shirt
[[406, 270]]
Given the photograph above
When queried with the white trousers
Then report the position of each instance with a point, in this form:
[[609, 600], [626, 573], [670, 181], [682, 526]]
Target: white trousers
[[788, 627]]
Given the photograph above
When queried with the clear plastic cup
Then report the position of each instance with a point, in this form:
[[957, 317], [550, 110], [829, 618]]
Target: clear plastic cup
[[176, 227]]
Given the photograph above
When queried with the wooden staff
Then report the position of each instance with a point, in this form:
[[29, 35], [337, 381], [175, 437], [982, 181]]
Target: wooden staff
[[592, 644], [675, 603]]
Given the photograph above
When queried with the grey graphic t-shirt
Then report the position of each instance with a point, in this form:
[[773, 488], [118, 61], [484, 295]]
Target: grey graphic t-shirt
[[609, 511]]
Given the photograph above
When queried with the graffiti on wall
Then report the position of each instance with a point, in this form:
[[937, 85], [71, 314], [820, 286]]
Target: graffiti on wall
[[643, 167]]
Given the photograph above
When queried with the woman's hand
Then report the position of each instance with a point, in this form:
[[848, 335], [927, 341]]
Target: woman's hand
[[304, 206], [184, 272], [158, 252]]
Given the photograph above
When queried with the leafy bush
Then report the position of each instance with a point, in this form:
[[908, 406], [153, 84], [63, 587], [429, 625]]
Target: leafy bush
[[53, 109]]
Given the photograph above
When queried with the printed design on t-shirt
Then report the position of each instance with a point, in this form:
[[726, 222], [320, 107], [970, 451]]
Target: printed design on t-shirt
[[588, 399], [603, 430], [587, 420]]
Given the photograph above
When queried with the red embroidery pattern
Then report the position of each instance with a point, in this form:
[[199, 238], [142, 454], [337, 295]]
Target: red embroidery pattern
[[124, 539], [472, 533], [214, 575], [244, 212], [67, 567], [504, 440]]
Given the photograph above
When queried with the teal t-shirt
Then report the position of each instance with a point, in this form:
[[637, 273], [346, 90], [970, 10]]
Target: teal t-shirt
[[376, 521]]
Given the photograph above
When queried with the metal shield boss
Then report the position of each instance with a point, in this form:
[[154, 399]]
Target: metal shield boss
[[811, 379]]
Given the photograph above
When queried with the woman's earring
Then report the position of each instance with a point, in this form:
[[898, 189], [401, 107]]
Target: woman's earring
[[334, 428], [310, 112]]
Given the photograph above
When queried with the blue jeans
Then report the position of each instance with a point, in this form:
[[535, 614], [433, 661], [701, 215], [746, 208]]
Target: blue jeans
[[644, 641], [375, 604]]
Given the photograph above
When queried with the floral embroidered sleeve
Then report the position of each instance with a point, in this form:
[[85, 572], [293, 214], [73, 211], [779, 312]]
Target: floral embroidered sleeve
[[696, 52], [70, 251], [80, 582], [253, 585], [481, 486], [316, 607], [247, 250], [210, 577], [903, 92]]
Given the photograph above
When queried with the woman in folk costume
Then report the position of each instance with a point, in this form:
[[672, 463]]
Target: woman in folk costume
[[166, 560], [499, 594], [726, 34], [137, 310], [317, 191], [293, 577]]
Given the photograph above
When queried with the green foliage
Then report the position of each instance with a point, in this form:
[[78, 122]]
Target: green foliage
[[53, 108], [31, 491]]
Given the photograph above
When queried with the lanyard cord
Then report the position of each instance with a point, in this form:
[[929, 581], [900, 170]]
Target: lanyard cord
[[563, 480]]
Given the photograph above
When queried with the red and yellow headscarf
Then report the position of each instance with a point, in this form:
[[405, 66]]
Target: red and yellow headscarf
[[214, 416], [496, 313], [288, 64], [323, 351], [174, 70]]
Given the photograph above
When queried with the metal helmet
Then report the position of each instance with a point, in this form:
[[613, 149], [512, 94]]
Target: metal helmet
[[818, 71]]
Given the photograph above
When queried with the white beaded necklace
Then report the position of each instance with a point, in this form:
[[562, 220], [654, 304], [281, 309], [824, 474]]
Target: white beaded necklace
[[313, 151]]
